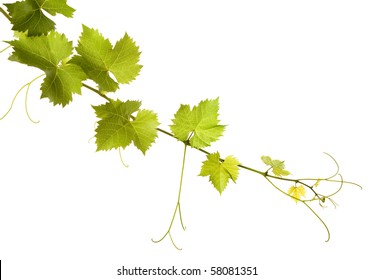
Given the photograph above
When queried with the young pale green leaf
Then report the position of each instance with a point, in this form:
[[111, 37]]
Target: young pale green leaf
[[296, 192], [267, 160], [277, 166], [28, 15], [200, 125], [99, 59], [117, 128], [220, 172], [49, 53]]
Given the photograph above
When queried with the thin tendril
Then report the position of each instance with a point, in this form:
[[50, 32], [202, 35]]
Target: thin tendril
[[346, 182], [27, 85], [177, 207], [341, 186], [168, 231], [3, 50], [26, 96], [123, 162], [11, 105], [333, 202], [180, 217], [337, 166], [172, 241], [319, 218], [89, 140]]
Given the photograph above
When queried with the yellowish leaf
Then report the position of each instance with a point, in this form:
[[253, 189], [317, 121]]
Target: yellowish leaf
[[297, 192]]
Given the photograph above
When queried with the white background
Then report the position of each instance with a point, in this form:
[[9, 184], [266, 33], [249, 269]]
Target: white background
[[294, 78]]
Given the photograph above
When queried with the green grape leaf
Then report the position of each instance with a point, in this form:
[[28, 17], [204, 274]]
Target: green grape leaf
[[117, 128], [50, 54], [28, 15], [220, 172], [277, 166], [101, 61], [145, 125], [200, 125]]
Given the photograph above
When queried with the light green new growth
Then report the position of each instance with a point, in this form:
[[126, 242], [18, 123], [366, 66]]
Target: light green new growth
[[220, 172], [276, 166], [297, 192], [200, 125], [50, 53], [29, 16], [98, 59]]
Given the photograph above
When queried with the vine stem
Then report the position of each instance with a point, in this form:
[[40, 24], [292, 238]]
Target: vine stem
[[97, 91], [177, 206]]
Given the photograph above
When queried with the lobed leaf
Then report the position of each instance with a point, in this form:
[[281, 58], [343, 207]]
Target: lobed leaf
[[28, 15], [220, 172], [297, 192], [200, 125], [117, 128], [61, 82], [50, 53], [101, 61], [277, 166]]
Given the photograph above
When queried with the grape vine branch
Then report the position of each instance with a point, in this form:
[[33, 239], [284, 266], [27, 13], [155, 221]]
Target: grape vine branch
[[121, 123]]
